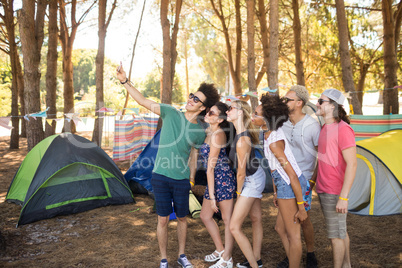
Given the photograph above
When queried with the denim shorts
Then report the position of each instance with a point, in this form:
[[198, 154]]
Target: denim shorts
[[254, 185], [285, 191], [166, 191]]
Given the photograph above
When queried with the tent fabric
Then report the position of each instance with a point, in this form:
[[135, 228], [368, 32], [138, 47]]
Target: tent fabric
[[131, 136], [66, 174], [377, 188], [369, 126]]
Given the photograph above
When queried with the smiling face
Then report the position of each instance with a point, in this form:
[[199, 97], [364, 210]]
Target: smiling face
[[325, 108], [257, 117], [195, 102]]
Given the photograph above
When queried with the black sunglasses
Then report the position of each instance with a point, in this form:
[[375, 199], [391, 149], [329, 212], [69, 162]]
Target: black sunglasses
[[196, 99], [211, 113], [233, 107], [286, 99], [321, 101]]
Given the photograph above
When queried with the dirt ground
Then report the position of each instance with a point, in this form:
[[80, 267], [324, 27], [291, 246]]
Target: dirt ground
[[124, 236]]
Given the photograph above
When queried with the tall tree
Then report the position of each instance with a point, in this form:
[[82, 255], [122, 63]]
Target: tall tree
[[8, 37], [347, 72], [67, 37], [234, 65], [262, 17], [250, 49], [169, 47], [273, 70], [51, 72], [297, 40], [31, 19], [103, 23], [391, 25]]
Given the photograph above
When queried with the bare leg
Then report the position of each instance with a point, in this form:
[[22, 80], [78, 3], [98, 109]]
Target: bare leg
[[308, 233], [288, 209], [212, 228], [256, 222], [181, 234], [280, 229], [226, 207], [338, 251], [162, 234], [241, 210], [346, 259]]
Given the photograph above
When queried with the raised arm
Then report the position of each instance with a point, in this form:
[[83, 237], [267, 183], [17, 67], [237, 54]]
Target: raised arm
[[137, 96]]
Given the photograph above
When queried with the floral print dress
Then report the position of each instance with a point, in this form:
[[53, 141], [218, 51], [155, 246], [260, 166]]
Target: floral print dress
[[225, 179]]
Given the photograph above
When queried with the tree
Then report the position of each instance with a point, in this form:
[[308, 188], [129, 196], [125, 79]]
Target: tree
[[250, 49], [169, 47], [67, 37], [273, 44], [8, 37], [103, 23], [234, 65], [298, 46], [262, 17], [347, 72], [31, 19], [391, 25], [51, 73]]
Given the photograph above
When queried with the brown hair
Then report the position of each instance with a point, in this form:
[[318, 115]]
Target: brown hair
[[252, 129]]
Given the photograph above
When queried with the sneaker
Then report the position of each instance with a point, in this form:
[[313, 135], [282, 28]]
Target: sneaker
[[284, 263], [184, 262], [245, 264], [164, 264], [311, 261]]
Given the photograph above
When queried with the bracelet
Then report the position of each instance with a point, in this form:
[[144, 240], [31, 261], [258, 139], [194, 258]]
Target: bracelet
[[237, 193], [275, 193], [300, 203], [341, 198], [284, 165], [124, 81], [312, 181], [192, 183]]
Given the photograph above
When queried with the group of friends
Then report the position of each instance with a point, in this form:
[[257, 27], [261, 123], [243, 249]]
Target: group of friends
[[300, 154]]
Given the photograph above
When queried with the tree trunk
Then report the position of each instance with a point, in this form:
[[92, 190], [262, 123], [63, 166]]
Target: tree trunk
[[8, 19], [360, 85], [251, 53], [21, 93], [234, 66], [347, 72], [273, 45], [51, 73], [390, 95], [297, 40], [169, 48], [100, 61], [261, 14], [31, 29]]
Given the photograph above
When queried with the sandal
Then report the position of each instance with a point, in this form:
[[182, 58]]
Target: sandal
[[223, 264], [212, 257]]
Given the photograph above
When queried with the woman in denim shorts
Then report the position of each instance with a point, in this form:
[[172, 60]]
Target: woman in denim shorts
[[290, 186]]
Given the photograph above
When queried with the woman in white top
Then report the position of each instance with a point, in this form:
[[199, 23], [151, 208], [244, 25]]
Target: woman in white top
[[289, 182]]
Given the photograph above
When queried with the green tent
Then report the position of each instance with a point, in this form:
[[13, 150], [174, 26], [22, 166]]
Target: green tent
[[377, 188], [65, 174]]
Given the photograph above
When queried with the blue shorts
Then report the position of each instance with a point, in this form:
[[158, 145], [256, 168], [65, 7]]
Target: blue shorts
[[166, 191], [285, 191]]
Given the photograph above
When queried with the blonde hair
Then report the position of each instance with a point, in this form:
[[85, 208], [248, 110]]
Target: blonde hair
[[252, 129]]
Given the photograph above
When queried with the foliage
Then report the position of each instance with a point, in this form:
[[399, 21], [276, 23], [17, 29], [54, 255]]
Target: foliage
[[5, 85]]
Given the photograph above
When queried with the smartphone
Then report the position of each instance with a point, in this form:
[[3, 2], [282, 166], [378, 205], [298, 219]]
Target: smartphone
[[119, 68]]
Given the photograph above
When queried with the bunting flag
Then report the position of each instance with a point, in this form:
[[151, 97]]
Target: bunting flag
[[84, 120], [4, 121], [269, 90], [40, 114], [252, 94], [26, 117], [105, 110], [231, 97], [49, 121], [135, 110]]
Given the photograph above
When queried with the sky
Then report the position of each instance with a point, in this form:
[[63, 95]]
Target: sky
[[121, 35]]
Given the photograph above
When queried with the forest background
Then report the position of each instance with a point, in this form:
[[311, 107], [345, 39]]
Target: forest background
[[241, 46]]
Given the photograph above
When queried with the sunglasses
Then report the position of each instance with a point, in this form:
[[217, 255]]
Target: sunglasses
[[321, 101], [211, 113], [196, 99], [286, 99], [256, 115], [233, 107]]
